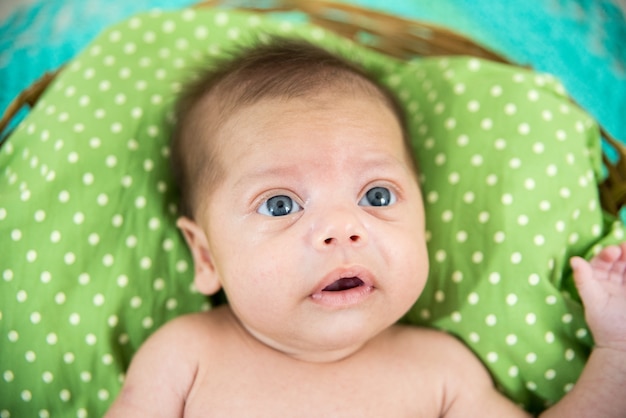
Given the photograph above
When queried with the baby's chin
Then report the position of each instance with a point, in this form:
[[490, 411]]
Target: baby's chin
[[344, 338]]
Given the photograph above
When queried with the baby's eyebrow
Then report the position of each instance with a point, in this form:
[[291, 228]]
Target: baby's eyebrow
[[368, 166], [267, 172]]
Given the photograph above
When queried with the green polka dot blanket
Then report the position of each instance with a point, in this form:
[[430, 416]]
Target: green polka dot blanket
[[91, 262]]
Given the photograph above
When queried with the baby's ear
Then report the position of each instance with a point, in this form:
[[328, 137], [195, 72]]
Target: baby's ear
[[206, 278]]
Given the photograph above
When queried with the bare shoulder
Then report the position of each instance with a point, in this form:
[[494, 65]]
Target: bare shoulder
[[467, 387], [164, 369]]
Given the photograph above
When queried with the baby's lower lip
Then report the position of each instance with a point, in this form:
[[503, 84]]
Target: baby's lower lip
[[343, 298]]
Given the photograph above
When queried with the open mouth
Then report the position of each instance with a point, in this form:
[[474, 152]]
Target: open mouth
[[346, 283]]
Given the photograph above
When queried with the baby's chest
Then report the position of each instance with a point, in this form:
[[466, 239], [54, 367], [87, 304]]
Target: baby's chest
[[272, 391]]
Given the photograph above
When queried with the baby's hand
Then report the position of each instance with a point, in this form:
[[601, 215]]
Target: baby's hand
[[602, 287]]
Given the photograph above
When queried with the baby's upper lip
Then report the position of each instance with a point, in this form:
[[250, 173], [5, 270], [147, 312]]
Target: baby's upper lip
[[345, 278]]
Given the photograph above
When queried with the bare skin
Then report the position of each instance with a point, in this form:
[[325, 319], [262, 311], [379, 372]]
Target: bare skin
[[287, 344]]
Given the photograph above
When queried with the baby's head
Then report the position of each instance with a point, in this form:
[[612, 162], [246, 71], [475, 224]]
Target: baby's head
[[281, 69], [301, 200]]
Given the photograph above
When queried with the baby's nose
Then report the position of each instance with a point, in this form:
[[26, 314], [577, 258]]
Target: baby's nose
[[339, 228]]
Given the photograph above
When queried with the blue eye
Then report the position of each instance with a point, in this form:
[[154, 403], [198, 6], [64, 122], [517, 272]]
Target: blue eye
[[279, 206], [378, 196]]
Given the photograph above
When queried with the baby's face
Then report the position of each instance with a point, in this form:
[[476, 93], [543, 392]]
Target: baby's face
[[317, 231]]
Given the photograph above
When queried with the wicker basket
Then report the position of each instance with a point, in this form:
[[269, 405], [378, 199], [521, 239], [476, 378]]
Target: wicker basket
[[392, 35]]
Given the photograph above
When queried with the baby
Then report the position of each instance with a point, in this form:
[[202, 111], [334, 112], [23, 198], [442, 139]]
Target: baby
[[300, 200]]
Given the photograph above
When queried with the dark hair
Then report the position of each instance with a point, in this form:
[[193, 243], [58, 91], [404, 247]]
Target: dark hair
[[280, 68]]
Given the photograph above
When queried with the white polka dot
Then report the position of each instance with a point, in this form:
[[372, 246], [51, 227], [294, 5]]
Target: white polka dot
[[93, 239], [74, 319], [117, 220], [510, 109], [473, 64], [546, 115], [159, 284], [473, 298], [145, 263], [476, 160], [55, 236], [440, 256], [496, 91], [30, 356], [523, 129], [136, 302], [98, 299], [47, 377], [26, 395], [534, 279], [65, 395], [154, 224], [499, 237], [40, 216], [450, 123], [515, 163], [473, 106], [491, 320], [108, 260], [122, 280], [511, 339], [531, 358], [16, 235], [91, 339], [182, 266], [78, 218], [147, 323], [511, 299], [168, 244], [117, 127], [469, 197], [103, 394], [531, 318], [52, 338], [492, 179]]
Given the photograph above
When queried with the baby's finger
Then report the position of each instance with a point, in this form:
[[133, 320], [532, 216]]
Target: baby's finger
[[610, 264], [609, 254]]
